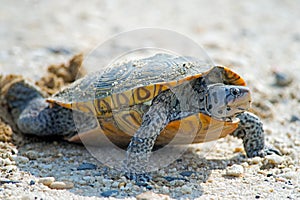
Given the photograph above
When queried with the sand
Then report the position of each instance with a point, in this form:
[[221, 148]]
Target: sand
[[255, 38]]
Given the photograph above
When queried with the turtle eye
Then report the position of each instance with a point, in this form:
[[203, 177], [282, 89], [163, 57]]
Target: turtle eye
[[234, 91]]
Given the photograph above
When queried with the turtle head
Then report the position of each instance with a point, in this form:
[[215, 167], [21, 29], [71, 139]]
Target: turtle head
[[225, 101]]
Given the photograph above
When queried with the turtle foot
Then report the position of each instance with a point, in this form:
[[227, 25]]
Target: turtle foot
[[140, 179], [268, 150]]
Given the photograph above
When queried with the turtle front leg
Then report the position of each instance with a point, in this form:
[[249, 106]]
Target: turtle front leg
[[141, 144], [251, 131]]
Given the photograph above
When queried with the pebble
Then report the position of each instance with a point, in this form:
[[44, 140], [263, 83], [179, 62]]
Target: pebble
[[238, 150], [294, 118], [170, 178], [110, 193], [165, 189], [46, 180], [289, 175], [31, 154], [186, 189], [20, 159], [5, 180], [282, 79], [115, 184], [255, 160], [177, 182], [151, 195], [61, 185], [87, 178], [235, 170], [187, 173], [87, 166], [274, 159], [122, 184], [5, 162], [32, 182]]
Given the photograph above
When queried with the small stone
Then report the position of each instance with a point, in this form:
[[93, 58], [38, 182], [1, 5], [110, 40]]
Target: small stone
[[186, 173], [297, 142], [255, 160], [32, 182], [210, 180], [289, 175], [245, 164], [20, 159], [10, 168], [5, 180], [177, 183], [115, 184], [235, 170], [122, 184], [280, 179], [151, 195], [61, 185], [238, 150], [5, 162], [46, 180], [87, 166], [274, 159], [294, 118], [165, 189], [32, 155], [170, 178], [186, 189], [87, 178], [27, 197], [82, 182], [282, 79], [110, 193]]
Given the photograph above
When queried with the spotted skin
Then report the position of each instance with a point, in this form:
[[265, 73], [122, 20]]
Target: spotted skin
[[33, 115], [251, 131]]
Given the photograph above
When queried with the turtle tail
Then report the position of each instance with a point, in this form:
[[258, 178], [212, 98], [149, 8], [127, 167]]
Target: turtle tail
[[18, 94]]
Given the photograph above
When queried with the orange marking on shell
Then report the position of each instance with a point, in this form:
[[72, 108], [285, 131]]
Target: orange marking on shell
[[143, 94], [234, 78], [120, 100], [87, 107], [53, 101], [128, 121]]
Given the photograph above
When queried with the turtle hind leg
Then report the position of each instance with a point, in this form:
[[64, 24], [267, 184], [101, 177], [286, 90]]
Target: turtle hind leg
[[33, 115], [18, 95], [251, 131], [41, 120]]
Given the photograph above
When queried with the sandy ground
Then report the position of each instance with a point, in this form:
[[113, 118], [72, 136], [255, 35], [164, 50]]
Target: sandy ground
[[254, 38]]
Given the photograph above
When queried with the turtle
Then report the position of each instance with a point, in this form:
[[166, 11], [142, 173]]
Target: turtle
[[143, 103]]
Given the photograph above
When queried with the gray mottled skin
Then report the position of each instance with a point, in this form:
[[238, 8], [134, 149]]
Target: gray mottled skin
[[251, 131], [33, 115]]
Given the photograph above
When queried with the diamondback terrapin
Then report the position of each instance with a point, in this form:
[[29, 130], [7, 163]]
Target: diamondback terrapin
[[145, 102]]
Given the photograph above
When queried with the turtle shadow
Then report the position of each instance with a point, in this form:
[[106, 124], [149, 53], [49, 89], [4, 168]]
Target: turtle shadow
[[66, 162]]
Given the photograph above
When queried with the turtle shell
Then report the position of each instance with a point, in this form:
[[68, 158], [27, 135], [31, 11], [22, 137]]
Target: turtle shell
[[119, 96]]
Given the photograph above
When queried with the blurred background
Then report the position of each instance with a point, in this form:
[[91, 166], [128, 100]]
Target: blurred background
[[34, 34]]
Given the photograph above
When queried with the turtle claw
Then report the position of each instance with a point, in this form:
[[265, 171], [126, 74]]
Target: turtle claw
[[268, 150], [140, 179]]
